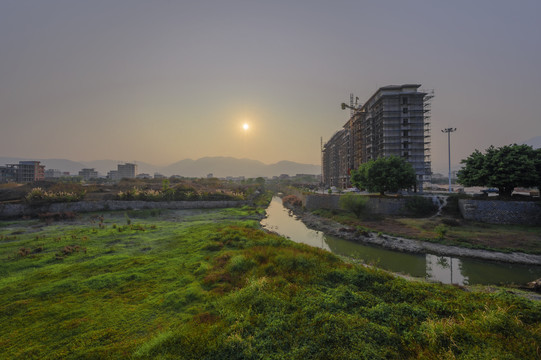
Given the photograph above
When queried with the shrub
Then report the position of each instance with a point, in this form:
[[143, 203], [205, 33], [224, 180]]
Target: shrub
[[40, 196], [292, 200], [441, 230], [180, 193], [450, 222], [420, 206], [354, 203]]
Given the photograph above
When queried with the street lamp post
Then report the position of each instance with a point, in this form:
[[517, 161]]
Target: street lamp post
[[449, 131]]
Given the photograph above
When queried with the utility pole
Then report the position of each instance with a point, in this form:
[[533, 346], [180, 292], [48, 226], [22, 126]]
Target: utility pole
[[449, 131], [321, 152]]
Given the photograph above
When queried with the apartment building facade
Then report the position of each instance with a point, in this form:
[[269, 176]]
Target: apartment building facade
[[124, 171], [23, 172], [88, 174], [127, 171], [336, 159], [394, 121]]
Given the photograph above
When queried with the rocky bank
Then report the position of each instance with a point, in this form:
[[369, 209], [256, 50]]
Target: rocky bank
[[409, 245]]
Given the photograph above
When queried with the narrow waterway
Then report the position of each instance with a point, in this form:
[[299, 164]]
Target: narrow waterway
[[445, 269]]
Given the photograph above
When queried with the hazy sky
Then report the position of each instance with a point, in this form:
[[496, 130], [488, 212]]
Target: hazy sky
[[160, 81]]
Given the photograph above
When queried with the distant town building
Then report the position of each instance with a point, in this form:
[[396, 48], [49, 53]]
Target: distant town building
[[209, 176], [23, 172], [113, 175], [53, 174], [88, 174], [235, 178], [124, 171], [30, 171], [8, 174], [143, 176], [394, 121], [158, 176], [127, 171]]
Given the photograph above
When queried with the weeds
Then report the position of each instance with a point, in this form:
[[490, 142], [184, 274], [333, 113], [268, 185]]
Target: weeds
[[441, 230], [221, 289], [39, 196]]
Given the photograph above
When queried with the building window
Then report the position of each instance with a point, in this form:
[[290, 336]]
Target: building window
[[405, 110], [405, 144], [404, 100], [405, 133], [405, 122]]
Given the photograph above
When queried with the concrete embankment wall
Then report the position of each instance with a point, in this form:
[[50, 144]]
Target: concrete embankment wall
[[376, 205], [18, 210], [501, 212]]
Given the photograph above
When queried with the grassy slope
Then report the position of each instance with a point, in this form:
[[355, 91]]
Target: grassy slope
[[211, 285]]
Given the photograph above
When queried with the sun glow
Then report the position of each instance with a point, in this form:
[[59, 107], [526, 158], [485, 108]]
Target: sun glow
[[245, 126]]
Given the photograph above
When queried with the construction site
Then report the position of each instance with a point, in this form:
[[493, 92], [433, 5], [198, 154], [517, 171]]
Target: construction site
[[395, 120]]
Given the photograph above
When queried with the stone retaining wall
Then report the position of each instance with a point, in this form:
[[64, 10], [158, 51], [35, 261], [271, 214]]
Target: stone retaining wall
[[321, 201], [501, 212], [376, 205], [18, 210]]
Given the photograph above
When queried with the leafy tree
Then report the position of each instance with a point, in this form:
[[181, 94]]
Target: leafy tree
[[354, 203], [504, 168], [537, 162], [390, 173], [475, 171], [260, 181]]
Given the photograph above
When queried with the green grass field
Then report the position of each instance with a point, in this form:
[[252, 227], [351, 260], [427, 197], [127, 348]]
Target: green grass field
[[208, 284]]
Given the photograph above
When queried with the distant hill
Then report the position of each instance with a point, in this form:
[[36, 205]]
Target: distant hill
[[219, 166], [534, 142], [229, 166]]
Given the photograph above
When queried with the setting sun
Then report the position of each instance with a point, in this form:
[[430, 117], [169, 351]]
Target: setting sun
[[245, 126]]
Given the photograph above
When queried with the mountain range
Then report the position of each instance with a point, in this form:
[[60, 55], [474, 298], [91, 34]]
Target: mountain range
[[219, 166], [534, 142]]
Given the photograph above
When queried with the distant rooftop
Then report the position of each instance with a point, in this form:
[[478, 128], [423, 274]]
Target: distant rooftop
[[398, 87]]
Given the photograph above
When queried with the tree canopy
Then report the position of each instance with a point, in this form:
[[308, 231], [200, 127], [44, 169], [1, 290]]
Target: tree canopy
[[390, 173], [354, 203], [504, 168]]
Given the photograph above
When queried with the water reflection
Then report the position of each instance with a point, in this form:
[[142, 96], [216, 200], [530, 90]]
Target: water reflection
[[445, 269], [448, 270]]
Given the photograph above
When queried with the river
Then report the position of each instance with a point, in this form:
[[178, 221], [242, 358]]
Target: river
[[444, 269]]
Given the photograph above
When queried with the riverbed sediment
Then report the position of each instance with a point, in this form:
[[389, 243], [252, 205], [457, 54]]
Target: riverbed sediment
[[333, 228]]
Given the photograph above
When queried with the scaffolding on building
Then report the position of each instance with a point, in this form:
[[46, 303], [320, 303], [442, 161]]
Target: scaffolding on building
[[427, 107], [395, 121]]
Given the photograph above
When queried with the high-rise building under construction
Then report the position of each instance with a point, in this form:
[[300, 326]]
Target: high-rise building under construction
[[394, 121]]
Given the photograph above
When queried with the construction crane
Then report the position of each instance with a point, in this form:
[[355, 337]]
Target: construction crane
[[353, 107]]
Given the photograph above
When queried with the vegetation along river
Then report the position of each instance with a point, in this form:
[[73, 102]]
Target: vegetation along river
[[445, 269]]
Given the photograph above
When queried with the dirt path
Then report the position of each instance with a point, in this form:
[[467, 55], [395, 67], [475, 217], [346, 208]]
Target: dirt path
[[408, 245]]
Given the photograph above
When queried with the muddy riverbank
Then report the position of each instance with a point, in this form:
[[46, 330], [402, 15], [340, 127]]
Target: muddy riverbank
[[409, 245]]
